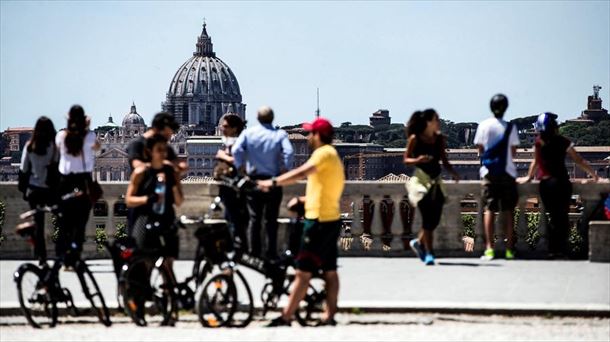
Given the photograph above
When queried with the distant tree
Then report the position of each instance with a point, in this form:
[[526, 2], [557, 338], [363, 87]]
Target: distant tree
[[585, 134], [345, 124]]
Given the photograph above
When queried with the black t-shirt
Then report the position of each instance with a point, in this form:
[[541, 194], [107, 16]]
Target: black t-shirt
[[135, 151], [147, 187], [432, 168], [551, 155]]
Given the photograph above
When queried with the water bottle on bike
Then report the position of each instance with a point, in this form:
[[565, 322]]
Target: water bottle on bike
[[159, 206]]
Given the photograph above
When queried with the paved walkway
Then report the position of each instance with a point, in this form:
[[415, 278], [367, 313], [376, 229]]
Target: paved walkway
[[405, 284]]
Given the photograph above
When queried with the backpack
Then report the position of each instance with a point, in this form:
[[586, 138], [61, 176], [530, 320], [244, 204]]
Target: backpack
[[494, 158]]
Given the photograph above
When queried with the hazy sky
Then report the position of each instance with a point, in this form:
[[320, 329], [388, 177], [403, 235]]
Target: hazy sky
[[401, 56]]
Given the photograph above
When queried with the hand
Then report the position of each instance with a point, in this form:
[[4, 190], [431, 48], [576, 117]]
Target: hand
[[264, 185], [426, 158], [523, 180], [221, 154], [468, 243]]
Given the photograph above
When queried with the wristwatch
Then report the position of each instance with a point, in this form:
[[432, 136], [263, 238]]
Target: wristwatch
[[273, 181]]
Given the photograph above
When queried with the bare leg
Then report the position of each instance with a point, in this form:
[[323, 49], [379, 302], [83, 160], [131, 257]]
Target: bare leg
[[427, 234], [489, 228], [298, 292], [332, 293]]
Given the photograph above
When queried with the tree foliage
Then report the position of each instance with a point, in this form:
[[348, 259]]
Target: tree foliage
[[584, 134]]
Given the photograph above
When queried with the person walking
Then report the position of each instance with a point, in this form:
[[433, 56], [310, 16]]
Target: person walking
[[550, 150], [322, 223], [266, 152], [39, 161], [426, 148], [497, 141], [231, 126], [76, 145]]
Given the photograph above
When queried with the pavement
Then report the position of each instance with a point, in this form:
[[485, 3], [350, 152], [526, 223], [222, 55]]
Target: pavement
[[405, 285]]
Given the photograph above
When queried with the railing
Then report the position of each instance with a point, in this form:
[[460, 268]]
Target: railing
[[377, 210]]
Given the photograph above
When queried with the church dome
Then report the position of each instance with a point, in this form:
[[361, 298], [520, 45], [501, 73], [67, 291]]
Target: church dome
[[203, 88], [133, 118]]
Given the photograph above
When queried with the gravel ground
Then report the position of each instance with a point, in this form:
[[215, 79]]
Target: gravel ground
[[352, 327]]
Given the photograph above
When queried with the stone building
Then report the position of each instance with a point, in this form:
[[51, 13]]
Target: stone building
[[203, 89], [380, 118], [594, 112]]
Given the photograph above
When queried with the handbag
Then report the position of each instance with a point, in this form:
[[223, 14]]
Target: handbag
[[93, 190]]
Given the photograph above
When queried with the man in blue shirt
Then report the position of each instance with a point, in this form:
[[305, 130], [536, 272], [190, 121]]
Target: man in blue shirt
[[266, 153]]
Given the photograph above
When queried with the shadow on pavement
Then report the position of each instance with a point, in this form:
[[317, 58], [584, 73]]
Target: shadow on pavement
[[470, 264]]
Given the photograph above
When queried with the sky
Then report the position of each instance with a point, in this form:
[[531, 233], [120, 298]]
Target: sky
[[402, 56]]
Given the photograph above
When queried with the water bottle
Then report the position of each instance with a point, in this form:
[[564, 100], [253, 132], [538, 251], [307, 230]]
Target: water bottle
[[159, 206]]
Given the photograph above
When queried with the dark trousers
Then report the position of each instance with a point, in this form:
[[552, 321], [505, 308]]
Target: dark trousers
[[264, 205], [73, 214], [556, 194], [38, 197], [236, 212]]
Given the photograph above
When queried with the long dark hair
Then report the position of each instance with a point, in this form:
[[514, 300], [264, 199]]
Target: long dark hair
[[419, 120], [43, 136], [76, 130]]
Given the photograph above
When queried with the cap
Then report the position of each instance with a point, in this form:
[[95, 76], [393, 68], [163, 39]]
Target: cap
[[319, 125], [545, 122]]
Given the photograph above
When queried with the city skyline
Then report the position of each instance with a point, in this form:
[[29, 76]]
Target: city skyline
[[399, 56]]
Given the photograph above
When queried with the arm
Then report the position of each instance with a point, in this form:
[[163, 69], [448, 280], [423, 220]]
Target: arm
[[178, 194], [131, 199], [407, 159], [287, 152], [25, 165], [532, 169], [224, 156], [239, 151], [289, 177], [445, 161], [583, 164]]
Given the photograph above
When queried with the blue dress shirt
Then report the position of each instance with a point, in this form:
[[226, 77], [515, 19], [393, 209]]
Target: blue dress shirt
[[265, 150]]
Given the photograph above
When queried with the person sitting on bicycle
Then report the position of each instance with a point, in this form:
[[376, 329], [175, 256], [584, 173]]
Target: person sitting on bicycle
[[153, 190], [322, 224], [231, 126]]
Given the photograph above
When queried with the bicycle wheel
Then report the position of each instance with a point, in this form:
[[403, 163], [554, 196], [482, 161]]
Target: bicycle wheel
[[217, 302], [311, 307], [148, 290], [37, 303], [244, 310], [93, 294]]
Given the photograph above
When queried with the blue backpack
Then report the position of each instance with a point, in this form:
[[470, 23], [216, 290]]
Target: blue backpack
[[494, 158]]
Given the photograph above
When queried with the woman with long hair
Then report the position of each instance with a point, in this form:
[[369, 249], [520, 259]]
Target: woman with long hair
[[38, 159], [76, 145], [425, 149], [550, 150], [231, 125]]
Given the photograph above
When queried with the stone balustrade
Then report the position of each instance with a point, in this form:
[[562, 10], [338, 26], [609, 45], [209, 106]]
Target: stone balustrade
[[378, 213]]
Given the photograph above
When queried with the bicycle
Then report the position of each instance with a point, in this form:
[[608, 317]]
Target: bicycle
[[39, 288]]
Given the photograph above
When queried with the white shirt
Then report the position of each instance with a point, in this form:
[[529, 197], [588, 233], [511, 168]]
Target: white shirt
[[74, 164], [491, 131]]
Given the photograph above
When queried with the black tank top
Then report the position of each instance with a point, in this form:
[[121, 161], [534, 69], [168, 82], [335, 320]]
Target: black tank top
[[147, 187], [432, 168]]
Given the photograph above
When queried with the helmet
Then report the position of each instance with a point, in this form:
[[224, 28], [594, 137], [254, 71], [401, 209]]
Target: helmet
[[498, 104], [546, 122]]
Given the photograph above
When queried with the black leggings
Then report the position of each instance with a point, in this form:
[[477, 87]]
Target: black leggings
[[236, 212], [39, 197], [556, 194], [431, 207], [73, 214]]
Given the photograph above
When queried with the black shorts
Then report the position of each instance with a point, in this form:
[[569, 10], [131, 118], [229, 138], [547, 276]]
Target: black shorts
[[319, 249], [499, 193], [161, 240]]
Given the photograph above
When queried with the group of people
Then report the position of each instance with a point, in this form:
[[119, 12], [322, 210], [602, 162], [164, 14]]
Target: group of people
[[265, 154]]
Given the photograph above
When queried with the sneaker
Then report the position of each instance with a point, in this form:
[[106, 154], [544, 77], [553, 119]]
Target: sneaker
[[278, 322], [488, 254], [429, 259], [327, 323], [510, 254], [417, 249]]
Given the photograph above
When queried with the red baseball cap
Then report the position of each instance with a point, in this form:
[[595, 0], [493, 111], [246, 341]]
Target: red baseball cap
[[319, 125]]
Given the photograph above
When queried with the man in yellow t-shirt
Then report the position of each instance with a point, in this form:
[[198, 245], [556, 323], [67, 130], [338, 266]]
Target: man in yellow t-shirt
[[321, 228]]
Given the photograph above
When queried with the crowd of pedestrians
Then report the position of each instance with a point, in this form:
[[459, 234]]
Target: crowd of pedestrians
[[54, 164]]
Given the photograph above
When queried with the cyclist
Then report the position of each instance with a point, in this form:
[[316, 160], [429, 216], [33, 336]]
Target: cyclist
[[322, 224], [231, 126], [153, 190], [266, 152], [76, 145], [38, 157], [426, 148]]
